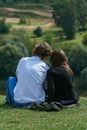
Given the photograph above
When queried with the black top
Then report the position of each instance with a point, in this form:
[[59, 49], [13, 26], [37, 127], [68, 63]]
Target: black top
[[60, 85]]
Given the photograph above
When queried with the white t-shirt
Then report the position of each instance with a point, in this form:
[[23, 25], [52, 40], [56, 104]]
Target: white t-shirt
[[31, 74]]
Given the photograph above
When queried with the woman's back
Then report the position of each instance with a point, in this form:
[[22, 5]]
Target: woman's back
[[59, 79]]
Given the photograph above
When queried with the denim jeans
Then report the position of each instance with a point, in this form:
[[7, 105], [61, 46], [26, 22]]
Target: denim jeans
[[10, 85]]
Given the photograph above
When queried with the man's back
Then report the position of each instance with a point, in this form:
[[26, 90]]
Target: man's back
[[31, 73]]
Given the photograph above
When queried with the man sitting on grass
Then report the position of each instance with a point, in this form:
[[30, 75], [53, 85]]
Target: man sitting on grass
[[31, 74]]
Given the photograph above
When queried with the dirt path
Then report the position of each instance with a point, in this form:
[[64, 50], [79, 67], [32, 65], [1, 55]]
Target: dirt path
[[48, 25], [16, 20], [12, 20], [28, 27], [39, 12]]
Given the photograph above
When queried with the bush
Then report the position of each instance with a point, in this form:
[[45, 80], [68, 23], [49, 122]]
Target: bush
[[1, 3], [77, 58], [49, 37], [85, 39], [66, 46], [22, 20], [4, 28], [10, 53], [84, 76], [38, 32]]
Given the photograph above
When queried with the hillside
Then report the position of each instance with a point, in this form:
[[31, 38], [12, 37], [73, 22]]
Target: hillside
[[43, 17], [37, 15]]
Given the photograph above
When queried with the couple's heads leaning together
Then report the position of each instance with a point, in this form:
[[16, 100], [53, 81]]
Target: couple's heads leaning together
[[56, 58], [59, 75], [32, 72]]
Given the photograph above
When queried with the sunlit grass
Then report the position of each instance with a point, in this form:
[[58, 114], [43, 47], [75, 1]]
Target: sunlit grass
[[19, 119]]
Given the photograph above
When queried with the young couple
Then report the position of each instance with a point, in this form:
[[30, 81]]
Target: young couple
[[32, 74]]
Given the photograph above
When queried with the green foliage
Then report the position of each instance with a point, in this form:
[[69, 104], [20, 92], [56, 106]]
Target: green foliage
[[10, 53], [33, 7], [23, 20], [48, 37], [84, 76], [38, 32], [9, 2], [4, 28], [85, 39], [29, 43], [82, 13], [77, 58], [66, 46], [65, 16], [79, 85], [1, 3], [2, 86], [26, 38]]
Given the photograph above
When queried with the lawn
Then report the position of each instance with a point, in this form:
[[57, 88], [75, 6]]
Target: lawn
[[20, 119]]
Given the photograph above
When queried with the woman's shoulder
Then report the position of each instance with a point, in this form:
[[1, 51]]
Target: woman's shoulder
[[59, 70]]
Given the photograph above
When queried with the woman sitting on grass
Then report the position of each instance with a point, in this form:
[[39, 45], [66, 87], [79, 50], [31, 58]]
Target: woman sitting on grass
[[59, 79]]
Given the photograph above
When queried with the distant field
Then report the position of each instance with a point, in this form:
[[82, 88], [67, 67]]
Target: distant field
[[39, 9], [38, 12], [36, 15]]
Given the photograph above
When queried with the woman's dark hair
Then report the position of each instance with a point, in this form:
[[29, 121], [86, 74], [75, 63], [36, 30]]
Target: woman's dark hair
[[59, 58], [42, 50]]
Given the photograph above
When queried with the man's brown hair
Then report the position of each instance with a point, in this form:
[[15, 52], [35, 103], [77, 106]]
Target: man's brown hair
[[42, 50]]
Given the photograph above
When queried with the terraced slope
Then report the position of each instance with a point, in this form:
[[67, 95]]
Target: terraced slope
[[12, 15]]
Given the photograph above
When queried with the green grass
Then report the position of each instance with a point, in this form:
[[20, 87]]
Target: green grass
[[19, 119], [32, 22]]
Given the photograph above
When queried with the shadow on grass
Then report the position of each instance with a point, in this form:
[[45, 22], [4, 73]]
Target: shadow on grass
[[82, 92], [6, 106]]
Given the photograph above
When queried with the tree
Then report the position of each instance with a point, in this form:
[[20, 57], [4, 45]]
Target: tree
[[81, 6], [84, 41], [66, 17], [38, 32], [10, 53], [84, 76], [48, 37], [77, 58], [4, 28], [22, 20]]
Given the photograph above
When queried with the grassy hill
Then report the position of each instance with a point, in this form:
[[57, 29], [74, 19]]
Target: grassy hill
[[20, 119]]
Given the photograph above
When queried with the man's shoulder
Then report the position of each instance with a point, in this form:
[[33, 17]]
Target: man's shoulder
[[24, 58]]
